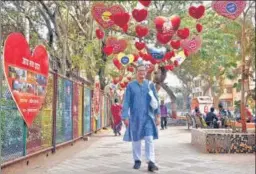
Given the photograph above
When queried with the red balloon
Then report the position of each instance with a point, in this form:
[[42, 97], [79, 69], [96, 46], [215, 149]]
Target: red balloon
[[145, 3], [108, 50], [168, 55], [140, 45], [117, 64], [159, 21], [121, 19], [141, 31], [175, 44], [186, 52], [99, 34], [196, 12], [183, 33], [129, 78], [176, 63], [130, 68], [175, 20], [169, 67], [125, 28], [139, 15], [164, 38], [136, 57], [199, 28]]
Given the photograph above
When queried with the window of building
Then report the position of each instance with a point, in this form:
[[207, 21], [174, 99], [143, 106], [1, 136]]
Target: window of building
[[229, 90]]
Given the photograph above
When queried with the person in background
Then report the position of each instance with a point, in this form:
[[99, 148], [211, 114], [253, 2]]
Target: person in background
[[249, 117], [223, 115], [116, 109], [164, 114], [211, 119]]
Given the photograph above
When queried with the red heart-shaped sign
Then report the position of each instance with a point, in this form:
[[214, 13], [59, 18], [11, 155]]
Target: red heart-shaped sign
[[229, 9], [140, 45], [108, 50], [199, 28], [141, 31], [175, 44], [145, 3], [183, 33], [121, 19], [164, 38], [196, 12], [139, 15], [26, 74], [193, 45], [118, 45], [99, 34], [102, 14]]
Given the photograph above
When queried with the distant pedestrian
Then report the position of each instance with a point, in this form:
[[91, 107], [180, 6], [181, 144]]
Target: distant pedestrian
[[143, 119], [164, 114], [211, 119], [116, 110]]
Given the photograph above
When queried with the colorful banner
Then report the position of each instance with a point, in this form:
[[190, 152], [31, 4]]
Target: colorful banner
[[26, 75], [75, 109], [87, 111], [64, 116]]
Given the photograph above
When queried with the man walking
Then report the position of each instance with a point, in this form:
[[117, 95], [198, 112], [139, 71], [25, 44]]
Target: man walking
[[163, 111], [142, 121]]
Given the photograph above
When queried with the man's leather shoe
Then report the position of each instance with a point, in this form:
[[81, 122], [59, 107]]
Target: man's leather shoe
[[152, 167], [137, 164]]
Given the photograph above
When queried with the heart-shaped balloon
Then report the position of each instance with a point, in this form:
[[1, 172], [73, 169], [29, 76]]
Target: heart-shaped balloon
[[108, 50], [99, 34], [186, 53], [140, 45], [157, 53], [176, 63], [145, 3], [118, 45], [199, 28], [102, 14], [175, 44], [141, 31], [169, 55], [183, 33], [130, 69], [139, 15], [229, 9], [196, 12], [193, 45], [164, 38], [125, 59], [175, 19], [169, 67], [26, 74], [117, 63], [164, 25], [125, 28], [121, 19], [136, 57]]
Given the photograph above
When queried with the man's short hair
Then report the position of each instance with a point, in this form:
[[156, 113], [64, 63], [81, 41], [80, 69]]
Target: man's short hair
[[212, 109]]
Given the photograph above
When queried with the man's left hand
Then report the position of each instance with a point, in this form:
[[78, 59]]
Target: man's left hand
[[157, 120]]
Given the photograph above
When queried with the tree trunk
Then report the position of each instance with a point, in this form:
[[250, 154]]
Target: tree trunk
[[173, 99]]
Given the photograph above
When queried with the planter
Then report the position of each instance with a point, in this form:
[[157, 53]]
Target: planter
[[223, 141]]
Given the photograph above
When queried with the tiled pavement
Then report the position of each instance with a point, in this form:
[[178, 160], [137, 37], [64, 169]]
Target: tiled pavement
[[174, 153]]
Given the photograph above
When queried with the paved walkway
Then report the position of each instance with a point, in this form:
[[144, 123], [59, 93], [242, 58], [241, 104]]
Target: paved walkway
[[174, 153]]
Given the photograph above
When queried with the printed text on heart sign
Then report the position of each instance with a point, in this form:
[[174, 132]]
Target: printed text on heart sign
[[30, 63]]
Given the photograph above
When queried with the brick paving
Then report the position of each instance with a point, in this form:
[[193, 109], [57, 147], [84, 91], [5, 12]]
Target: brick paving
[[174, 154]]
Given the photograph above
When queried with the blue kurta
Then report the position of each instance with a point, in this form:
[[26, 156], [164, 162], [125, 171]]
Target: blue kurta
[[136, 108]]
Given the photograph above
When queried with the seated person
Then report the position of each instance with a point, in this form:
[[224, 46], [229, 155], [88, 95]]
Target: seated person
[[211, 118]]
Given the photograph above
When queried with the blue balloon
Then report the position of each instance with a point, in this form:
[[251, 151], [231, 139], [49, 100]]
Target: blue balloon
[[156, 53]]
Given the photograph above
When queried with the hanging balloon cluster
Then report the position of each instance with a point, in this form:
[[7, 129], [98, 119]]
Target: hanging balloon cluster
[[168, 32], [179, 39]]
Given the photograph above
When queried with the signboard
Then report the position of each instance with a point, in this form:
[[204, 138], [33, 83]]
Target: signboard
[[26, 74]]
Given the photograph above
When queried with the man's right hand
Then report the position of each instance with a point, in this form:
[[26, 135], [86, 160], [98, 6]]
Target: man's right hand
[[126, 122]]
